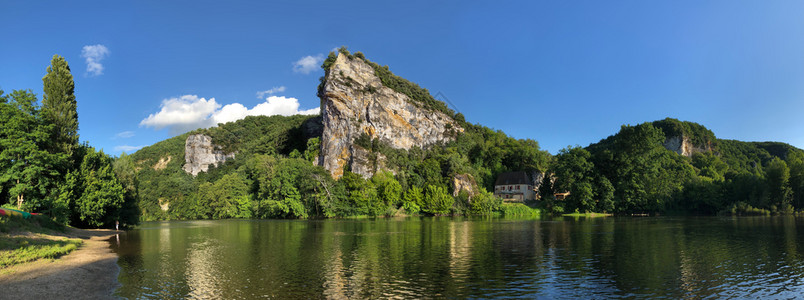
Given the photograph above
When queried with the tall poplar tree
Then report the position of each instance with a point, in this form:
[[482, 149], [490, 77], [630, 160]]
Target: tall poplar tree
[[59, 107]]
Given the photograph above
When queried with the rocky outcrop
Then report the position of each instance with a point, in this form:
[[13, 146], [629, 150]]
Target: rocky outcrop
[[682, 145], [200, 153], [162, 163], [354, 102], [464, 182]]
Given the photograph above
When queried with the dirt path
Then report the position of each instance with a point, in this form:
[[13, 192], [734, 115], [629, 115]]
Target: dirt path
[[87, 273]]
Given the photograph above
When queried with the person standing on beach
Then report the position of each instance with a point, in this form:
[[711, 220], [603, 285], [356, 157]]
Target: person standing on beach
[[116, 225]]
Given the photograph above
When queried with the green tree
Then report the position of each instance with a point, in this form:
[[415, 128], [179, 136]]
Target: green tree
[[290, 188], [59, 106], [100, 194], [437, 201], [226, 198], [575, 174], [313, 148], [127, 175], [388, 188], [484, 203], [604, 193], [362, 195], [26, 169], [412, 200], [796, 165], [547, 195], [778, 180]]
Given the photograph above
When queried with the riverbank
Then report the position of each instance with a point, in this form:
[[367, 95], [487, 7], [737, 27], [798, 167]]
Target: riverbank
[[90, 272]]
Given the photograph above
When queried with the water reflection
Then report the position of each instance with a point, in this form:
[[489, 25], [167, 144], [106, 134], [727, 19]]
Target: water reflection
[[464, 258]]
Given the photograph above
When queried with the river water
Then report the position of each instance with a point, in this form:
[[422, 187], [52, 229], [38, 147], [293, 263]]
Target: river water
[[657, 257]]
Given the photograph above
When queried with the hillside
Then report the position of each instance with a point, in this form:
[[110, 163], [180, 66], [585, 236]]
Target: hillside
[[674, 166], [382, 146]]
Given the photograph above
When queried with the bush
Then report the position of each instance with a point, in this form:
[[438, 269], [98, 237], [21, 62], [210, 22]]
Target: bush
[[744, 209], [518, 209], [485, 204]]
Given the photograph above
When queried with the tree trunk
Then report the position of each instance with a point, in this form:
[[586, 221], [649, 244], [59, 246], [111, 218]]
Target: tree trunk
[[19, 198]]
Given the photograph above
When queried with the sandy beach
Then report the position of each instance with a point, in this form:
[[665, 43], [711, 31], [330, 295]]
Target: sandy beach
[[90, 272]]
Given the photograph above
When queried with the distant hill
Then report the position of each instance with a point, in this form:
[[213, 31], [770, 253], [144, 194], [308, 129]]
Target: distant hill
[[672, 165], [383, 146]]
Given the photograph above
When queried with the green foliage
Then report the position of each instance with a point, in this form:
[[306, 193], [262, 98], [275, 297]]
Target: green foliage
[[34, 224], [744, 209], [27, 170], [99, 194], [313, 148], [388, 189], [485, 204], [127, 175], [644, 174], [519, 209], [59, 107], [436, 201], [575, 173], [227, 197], [412, 200], [698, 135], [778, 178], [17, 250], [764, 176]]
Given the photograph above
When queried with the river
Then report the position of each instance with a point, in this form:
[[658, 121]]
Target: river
[[652, 257]]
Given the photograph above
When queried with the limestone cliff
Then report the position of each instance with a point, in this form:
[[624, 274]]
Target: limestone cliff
[[354, 101], [464, 182], [199, 153], [682, 145]]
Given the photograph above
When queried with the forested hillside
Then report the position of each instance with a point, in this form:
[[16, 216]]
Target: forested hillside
[[274, 175], [634, 172], [273, 168], [275, 172]]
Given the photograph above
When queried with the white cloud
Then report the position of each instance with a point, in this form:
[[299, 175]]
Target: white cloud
[[274, 90], [307, 64], [93, 55], [124, 134], [182, 114], [127, 148], [189, 112]]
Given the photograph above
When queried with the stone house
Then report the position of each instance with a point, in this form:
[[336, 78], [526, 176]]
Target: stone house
[[515, 187]]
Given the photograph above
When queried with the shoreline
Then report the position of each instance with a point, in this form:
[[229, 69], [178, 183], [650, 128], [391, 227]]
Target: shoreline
[[89, 272]]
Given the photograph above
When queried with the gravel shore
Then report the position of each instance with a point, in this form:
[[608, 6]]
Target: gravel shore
[[90, 272]]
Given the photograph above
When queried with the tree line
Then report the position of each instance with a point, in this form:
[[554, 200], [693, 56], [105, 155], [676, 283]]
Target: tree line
[[633, 172], [44, 168]]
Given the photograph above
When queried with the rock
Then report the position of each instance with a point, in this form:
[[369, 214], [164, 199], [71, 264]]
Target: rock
[[683, 146], [199, 153], [162, 163], [464, 182], [354, 101]]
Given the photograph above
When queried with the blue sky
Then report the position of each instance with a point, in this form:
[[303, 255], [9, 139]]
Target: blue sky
[[559, 72]]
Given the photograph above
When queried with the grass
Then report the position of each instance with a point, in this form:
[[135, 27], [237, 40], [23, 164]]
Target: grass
[[518, 209], [36, 245], [36, 224], [17, 250], [587, 215]]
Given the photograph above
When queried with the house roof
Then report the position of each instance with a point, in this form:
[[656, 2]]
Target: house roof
[[519, 177]]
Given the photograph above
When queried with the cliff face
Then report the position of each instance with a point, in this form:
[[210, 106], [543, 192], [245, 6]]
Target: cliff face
[[199, 153], [354, 101], [682, 145]]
